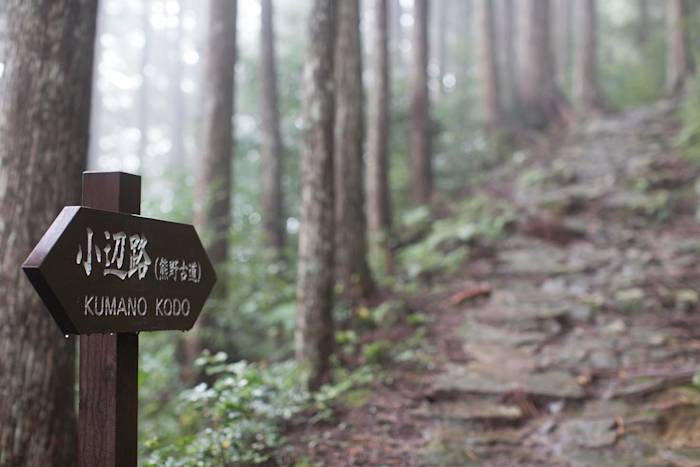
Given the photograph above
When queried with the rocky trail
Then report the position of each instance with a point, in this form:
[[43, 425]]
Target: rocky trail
[[575, 341]]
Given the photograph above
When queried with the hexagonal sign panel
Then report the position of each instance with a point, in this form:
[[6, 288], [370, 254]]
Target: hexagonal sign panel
[[101, 272]]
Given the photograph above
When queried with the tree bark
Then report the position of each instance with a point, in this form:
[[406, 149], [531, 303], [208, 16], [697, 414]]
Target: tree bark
[[378, 184], [505, 32], [421, 157], [351, 266], [542, 103], [213, 203], [587, 97], [44, 126], [490, 85], [314, 337], [212, 207], [272, 150], [677, 68]]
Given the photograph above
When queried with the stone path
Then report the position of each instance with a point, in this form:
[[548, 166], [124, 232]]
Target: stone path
[[584, 353]]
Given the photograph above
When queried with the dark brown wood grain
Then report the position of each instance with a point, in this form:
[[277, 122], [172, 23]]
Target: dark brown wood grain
[[167, 293], [108, 408]]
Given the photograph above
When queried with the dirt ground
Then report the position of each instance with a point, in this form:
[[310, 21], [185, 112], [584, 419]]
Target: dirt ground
[[574, 342]]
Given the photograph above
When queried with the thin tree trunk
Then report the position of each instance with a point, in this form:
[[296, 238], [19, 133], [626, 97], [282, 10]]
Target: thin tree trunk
[[44, 125], [421, 157], [144, 108], [351, 224], [314, 337], [587, 97], [490, 86], [564, 39], [542, 103], [214, 178], [378, 184], [677, 68], [272, 151], [505, 32]]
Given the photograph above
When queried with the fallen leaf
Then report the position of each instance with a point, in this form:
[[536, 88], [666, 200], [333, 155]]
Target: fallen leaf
[[478, 290]]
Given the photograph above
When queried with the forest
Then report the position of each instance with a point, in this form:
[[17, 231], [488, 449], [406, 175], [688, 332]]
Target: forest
[[446, 233]]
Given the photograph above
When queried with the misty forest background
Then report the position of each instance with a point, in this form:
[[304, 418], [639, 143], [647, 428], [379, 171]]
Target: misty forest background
[[461, 92]]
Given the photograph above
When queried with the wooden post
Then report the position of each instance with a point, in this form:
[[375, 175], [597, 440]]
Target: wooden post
[[108, 409]]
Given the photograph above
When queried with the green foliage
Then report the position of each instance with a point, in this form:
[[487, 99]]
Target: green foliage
[[447, 245], [377, 352], [689, 137], [239, 418], [235, 420], [630, 72]]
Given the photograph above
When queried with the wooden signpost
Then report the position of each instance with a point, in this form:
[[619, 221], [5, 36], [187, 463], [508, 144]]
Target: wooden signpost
[[107, 274]]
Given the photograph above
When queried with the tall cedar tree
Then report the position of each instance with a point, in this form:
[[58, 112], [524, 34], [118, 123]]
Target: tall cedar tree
[[505, 31], [351, 266], [314, 337], [214, 177], [490, 85], [44, 125], [542, 102], [421, 157], [272, 150], [586, 96], [677, 68], [378, 184]]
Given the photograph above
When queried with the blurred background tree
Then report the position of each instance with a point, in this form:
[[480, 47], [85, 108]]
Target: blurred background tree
[[439, 76]]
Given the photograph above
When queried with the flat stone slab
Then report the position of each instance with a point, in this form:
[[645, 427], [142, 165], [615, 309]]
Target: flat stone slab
[[477, 333], [489, 379], [595, 433], [472, 411]]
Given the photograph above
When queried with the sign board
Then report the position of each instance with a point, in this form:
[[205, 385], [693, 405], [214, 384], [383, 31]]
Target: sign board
[[103, 272]]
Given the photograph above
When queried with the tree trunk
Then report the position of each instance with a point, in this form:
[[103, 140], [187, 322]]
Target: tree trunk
[[587, 97], [213, 204], [505, 27], [351, 225], [314, 337], [272, 151], [677, 68], [378, 184], [144, 107], [490, 86], [213, 187], [44, 126], [421, 158], [542, 103]]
